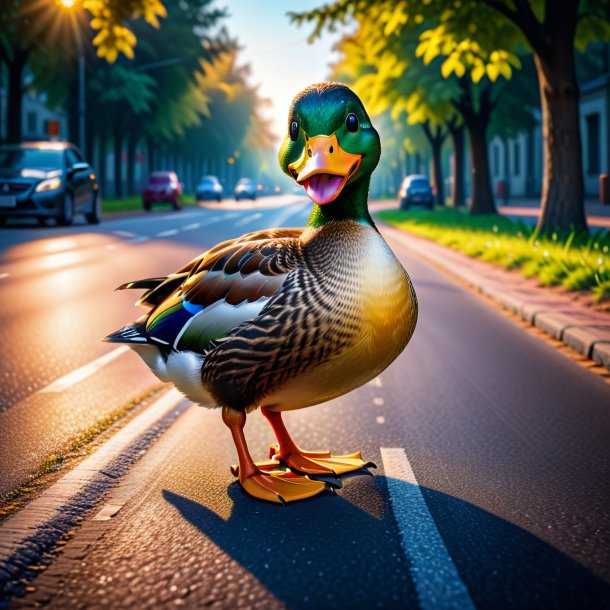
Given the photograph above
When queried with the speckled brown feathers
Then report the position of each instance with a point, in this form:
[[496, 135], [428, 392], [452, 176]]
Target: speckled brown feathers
[[317, 314]]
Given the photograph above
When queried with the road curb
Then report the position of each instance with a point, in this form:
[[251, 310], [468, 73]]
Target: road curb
[[26, 536], [586, 331]]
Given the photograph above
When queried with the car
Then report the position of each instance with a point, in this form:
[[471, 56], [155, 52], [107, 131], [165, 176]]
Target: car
[[245, 189], [209, 187], [49, 179], [415, 189], [162, 187]]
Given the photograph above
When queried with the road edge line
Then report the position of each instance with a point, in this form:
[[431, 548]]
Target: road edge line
[[36, 528]]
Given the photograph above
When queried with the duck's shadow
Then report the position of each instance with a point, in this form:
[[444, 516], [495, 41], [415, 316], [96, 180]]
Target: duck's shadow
[[328, 552]]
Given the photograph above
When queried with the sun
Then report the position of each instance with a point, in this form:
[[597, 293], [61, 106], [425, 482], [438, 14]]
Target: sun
[[67, 3]]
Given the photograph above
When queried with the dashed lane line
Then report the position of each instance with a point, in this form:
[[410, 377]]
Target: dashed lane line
[[248, 219], [124, 233], [376, 382], [192, 226], [437, 581], [76, 376], [138, 240], [167, 233]]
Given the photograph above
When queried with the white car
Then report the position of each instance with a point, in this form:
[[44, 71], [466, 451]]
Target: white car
[[209, 187], [245, 189]]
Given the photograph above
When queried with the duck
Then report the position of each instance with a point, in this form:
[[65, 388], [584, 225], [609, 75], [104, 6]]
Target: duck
[[287, 318]]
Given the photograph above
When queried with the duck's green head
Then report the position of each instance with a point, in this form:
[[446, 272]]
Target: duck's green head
[[331, 149]]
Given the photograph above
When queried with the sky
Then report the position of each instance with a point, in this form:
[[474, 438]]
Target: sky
[[281, 60]]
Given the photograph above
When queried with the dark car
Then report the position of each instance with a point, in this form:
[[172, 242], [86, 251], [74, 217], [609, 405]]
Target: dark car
[[47, 180], [162, 187], [245, 189], [209, 187], [415, 190]]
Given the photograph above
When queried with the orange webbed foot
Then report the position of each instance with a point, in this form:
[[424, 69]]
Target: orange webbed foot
[[319, 463], [274, 483]]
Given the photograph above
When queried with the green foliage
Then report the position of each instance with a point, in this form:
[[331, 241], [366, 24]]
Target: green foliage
[[475, 37], [34, 25], [574, 262]]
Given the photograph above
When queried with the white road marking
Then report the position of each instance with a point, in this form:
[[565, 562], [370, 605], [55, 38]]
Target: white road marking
[[194, 225], [139, 240], [4, 275], [437, 581], [76, 376], [380, 419], [247, 219], [376, 382], [167, 233], [124, 233], [378, 401], [107, 512]]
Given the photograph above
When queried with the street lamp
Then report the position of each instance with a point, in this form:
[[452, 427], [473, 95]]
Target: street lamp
[[70, 5]]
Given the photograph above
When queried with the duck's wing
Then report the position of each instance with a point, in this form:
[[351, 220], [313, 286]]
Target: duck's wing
[[215, 292]]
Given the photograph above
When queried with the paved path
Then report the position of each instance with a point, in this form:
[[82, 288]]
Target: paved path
[[491, 446]]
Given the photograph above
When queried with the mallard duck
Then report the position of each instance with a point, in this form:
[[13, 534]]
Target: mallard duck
[[284, 319]]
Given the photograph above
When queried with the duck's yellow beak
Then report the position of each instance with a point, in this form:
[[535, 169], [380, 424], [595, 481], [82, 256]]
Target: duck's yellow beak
[[324, 168]]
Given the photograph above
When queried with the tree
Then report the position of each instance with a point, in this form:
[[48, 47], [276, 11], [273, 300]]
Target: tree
[[387, 73], [28, 26], [481, 37]]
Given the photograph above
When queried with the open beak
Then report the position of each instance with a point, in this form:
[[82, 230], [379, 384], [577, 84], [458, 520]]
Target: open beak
[[324, 168]]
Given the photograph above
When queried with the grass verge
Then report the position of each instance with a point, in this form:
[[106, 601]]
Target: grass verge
[[73, 450], [134, 204], [574, 262]]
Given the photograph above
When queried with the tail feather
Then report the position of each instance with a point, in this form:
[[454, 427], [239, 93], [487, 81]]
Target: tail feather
[[128, 334], [148, 283]]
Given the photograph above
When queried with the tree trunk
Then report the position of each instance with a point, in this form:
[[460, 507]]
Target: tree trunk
[[436, 137], [476, 119], [482, 194], [15, 96], [132, 141], [151, 155], [457, 164], [562, 199], [102, 153], [552, 41], [118, 163]]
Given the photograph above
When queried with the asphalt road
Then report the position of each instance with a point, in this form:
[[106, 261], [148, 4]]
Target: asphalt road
[[504, 443]]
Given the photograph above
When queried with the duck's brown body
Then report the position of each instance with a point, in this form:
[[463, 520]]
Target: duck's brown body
[[357, 314]]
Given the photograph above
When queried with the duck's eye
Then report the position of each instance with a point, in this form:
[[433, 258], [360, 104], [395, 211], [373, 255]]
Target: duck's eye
[[294, 131], [351, 122]]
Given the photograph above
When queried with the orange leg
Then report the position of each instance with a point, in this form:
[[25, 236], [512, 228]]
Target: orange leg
[[269, 484], [315, 463]]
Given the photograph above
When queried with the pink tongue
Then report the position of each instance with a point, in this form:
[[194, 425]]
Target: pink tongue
[[321, 188]]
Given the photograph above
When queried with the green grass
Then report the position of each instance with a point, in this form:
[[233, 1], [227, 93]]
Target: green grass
[[574, 262], [134, 204]]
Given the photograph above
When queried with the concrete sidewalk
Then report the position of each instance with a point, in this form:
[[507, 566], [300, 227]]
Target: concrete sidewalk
[[579, 327]]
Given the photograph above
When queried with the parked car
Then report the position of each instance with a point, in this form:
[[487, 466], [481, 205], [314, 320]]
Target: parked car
[[47, 180], [162, 187], [209, 187], [415, 189], [245, 189]]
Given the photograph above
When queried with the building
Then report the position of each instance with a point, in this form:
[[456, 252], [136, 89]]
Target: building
[[516, 164]]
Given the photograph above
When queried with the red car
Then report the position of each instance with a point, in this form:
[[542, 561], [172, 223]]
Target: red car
[[162, 187]]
